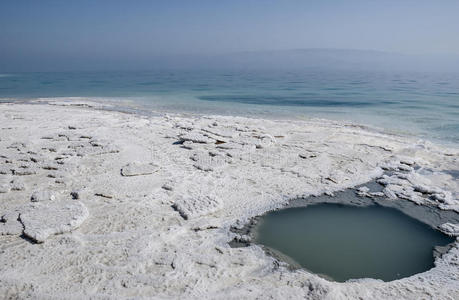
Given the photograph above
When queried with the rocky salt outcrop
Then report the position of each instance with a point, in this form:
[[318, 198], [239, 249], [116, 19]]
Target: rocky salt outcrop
[[10, 224], [450, 229], [17, 184], [196, 137], [192, 206], [265, 141], [208, 161], [43, 195], [221, 132], [413, 185], [137, 169], [45, 219]]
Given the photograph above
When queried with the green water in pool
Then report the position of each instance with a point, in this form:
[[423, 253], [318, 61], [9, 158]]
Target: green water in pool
[[348, 242]]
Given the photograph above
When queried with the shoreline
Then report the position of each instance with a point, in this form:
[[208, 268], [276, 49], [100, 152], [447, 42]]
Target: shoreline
[[162, 192], [131, 105]]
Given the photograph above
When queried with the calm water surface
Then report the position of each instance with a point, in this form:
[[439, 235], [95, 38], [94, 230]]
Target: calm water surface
[[420, 104], [347, 242]]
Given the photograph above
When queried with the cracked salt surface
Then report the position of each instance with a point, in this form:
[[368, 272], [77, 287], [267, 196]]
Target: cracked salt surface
[[106, 235]]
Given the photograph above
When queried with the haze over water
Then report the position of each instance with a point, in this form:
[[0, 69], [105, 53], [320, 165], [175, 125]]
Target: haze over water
[[391, 64]]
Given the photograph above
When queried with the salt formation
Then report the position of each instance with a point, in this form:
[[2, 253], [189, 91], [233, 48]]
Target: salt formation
[[143, 205], [410, 184], [196, 137], [40, 196], [196, 205], [44, 220], [136, 169], [10, 224], [450, 229]]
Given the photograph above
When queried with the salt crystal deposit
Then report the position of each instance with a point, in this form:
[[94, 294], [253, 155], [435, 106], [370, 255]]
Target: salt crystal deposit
[[142, 206]]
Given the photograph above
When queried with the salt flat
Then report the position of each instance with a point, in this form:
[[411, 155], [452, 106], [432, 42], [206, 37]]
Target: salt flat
[[103, 204]]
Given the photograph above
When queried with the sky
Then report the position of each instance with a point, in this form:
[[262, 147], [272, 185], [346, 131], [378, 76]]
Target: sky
[[72, 34]]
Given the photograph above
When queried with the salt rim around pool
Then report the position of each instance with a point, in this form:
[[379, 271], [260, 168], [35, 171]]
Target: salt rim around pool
[[428, 215]]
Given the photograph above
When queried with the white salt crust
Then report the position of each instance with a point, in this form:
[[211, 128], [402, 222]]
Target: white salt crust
[[128, 207]]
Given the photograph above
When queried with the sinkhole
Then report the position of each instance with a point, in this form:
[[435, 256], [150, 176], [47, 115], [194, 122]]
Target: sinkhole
[[342, 242]]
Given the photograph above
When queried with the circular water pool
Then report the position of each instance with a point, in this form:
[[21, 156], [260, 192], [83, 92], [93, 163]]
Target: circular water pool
[[344, 242]]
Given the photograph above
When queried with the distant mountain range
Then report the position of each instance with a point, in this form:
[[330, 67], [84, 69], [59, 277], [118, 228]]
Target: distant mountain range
[[319, 59], [335, 59]]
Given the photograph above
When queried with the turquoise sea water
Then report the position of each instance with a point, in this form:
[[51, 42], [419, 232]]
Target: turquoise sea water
[[425, 105]]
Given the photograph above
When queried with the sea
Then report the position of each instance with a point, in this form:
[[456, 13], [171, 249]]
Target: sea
[[417, 104]]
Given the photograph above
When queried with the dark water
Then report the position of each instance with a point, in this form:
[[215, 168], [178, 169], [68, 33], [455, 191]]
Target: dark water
[[422, 104], [347, 242]]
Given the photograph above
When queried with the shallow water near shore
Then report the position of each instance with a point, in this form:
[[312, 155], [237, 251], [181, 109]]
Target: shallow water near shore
[[419, 104], [344, 242]]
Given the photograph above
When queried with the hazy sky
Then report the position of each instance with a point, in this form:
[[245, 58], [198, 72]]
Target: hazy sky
[[79, 32]]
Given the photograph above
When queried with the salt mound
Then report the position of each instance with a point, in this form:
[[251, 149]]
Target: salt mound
[[49, 219], [136, 169]]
